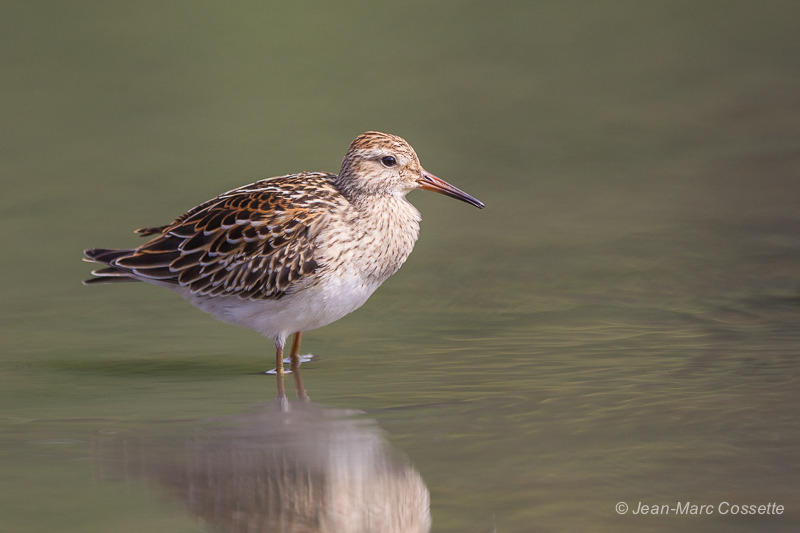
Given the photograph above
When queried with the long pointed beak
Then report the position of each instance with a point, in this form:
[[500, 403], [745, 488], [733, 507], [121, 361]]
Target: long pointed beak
[[429, 182]]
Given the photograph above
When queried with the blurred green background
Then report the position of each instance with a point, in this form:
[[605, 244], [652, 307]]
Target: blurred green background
[[621, 323]]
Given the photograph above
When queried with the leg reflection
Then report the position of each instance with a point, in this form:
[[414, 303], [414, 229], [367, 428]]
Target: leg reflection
[[294, 357]]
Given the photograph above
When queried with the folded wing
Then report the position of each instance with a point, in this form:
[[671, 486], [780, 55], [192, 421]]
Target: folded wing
[[257, 241]]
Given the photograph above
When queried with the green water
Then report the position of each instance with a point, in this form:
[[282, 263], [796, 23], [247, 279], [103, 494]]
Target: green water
[[620, 324]]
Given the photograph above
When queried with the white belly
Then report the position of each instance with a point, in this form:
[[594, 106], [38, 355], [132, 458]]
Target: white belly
[[310, 308]]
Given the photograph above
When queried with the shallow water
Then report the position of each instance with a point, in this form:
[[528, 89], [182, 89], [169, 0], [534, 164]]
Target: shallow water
[[620, 324]]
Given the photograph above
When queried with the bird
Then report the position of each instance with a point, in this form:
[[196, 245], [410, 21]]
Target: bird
[[290, 253]]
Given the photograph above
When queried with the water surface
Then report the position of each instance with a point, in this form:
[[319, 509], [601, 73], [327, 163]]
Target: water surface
[[620, 324]]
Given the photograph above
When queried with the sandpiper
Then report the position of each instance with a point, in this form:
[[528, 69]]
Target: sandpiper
[[291, 253]]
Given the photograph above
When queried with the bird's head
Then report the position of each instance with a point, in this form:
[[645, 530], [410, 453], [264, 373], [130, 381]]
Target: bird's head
[[383, 164]]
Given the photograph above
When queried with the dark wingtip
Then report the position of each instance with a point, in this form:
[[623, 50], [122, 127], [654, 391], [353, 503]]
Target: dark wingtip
[[104, 255], [144, 232]]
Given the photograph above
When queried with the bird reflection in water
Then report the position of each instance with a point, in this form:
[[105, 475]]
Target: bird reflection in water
[[308, 470]]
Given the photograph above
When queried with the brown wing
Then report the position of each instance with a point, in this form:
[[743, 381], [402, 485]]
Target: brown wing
[[256, 241]]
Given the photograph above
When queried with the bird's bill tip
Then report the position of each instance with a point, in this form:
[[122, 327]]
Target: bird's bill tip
[[429, 182]]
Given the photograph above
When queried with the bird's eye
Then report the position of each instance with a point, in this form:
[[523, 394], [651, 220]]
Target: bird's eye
[[388, 161]]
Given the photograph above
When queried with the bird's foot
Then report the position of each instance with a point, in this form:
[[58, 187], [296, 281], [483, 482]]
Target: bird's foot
[[303, 359]]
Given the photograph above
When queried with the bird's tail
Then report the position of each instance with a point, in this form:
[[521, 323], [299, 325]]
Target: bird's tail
[[112, 273]]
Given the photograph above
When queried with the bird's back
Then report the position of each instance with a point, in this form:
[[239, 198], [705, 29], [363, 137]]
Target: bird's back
[[255, 241]]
